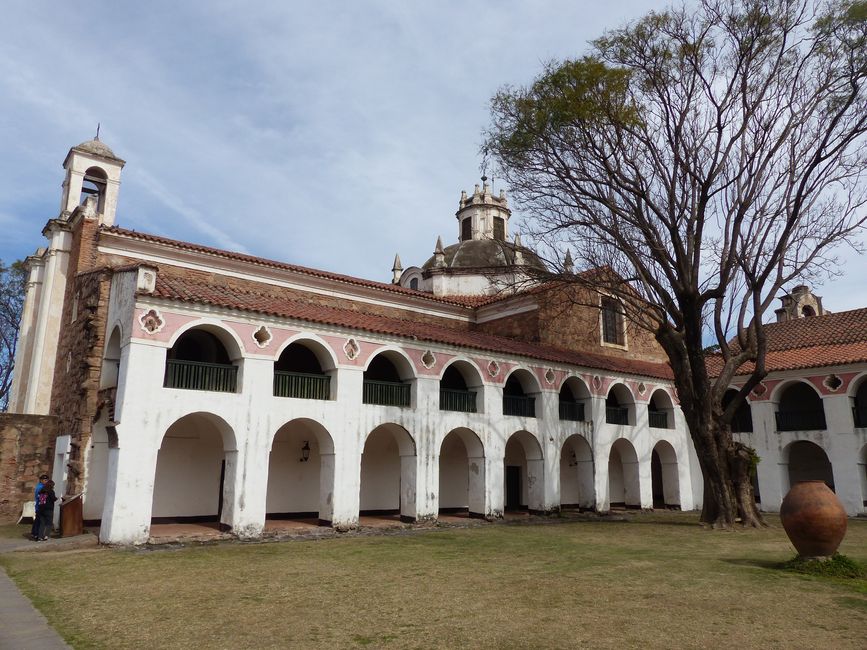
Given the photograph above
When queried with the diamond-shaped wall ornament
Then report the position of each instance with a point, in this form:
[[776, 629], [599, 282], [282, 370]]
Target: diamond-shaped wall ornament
[[428, 359], [550, 376], [832, 383], [351, 349], [493, 368]]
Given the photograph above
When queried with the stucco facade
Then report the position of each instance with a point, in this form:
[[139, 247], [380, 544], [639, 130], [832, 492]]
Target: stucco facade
[[197, 384]]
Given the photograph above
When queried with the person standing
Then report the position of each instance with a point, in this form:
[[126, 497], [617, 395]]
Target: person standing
[[45, 510], [34, 529]]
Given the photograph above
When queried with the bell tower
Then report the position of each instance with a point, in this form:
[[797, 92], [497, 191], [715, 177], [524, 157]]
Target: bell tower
[[92, 170]]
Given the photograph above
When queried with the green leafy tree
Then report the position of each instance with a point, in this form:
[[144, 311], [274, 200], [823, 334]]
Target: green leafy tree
[[12, 284], [709, 155]]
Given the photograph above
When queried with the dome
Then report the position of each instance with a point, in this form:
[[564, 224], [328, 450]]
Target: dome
[[96, 147], [484, 254]]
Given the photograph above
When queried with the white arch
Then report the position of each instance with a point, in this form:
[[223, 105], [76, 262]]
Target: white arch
[[532, 473], [784, 385], [669, 475], [584, 391], [462, 359], [462, 481], [577, 473], [226, 335], [623, 482], [404, 364], [527, 378], [321, 345]]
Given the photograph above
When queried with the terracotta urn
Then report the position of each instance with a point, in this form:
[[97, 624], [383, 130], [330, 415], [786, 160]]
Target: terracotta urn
[[814, 519]]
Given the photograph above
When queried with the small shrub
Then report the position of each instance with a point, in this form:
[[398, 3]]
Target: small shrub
[[839, 566]]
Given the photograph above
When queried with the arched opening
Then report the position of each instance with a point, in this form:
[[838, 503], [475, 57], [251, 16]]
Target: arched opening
[[499, 229], [743, 419], [388, 380], [300, 372], [519, 394], [466, 229], [300, 475], [195, 473], [623, 485], [577, 487], [807, 311], [619, 405], [460, 386], [523, 473], [660, 410], [807, 461], [200, 360], [574, 398], [111, 361], [413, 284], [664, 478], [462, 474], [388, 474], [97, 472], [862, 472], [859, 404], [800, 409], [94, 184]]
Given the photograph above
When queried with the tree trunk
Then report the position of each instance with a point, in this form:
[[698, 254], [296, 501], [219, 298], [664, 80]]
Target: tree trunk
[[726, 467]]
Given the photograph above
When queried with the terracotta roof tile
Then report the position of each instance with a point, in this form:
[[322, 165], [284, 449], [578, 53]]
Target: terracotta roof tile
[[197, 292], [814, 342], [261, 261]]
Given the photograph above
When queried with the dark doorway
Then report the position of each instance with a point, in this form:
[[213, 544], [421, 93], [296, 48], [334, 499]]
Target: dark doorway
[[656, 480], [513, 487]]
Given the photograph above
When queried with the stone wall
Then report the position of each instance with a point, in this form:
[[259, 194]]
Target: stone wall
[[26, 451]]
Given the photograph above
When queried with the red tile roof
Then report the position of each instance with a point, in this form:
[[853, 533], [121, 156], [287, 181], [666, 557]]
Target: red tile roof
[[815, 342], [187, 290], [460, 301]]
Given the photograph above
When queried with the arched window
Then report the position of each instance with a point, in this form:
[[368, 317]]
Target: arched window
[[617, 405], [573, 397], [612, 321], [800, 409], [455, 393], [383, 382], [808, 311], [742, 422], [660, 411], [467, 229], [299, 373], [94, 184], [199, 361], [413, 284], [518, 398]]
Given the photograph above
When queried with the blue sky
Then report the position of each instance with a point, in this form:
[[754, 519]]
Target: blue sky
[[328, 134]]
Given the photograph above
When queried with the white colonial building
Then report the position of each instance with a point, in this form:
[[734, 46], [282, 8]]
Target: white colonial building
[[196, 384]]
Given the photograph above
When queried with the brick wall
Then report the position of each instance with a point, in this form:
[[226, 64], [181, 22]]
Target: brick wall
[[26, 451]]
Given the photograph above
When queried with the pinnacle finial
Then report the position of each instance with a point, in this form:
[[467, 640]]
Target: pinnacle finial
[[96, 137], [517, 239], [439, 246], [568, 265], [397, 265]]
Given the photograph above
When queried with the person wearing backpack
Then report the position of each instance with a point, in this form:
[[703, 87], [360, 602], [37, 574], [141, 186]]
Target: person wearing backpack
[[45, 510]]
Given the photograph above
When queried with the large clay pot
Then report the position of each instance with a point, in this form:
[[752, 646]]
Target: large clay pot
[[814, 519]]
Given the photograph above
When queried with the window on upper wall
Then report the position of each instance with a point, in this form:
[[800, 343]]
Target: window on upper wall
[[612, 322], [467, 229], [413, 284], [499, 229]]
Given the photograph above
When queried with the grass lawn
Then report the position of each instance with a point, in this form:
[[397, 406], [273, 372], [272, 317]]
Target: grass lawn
[[653, 580]]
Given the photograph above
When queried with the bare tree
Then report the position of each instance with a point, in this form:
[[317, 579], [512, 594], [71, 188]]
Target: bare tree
[[12, 281], [709, 156]]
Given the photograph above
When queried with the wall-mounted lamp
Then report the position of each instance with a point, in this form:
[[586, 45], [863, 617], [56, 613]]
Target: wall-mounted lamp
[[305, 452]]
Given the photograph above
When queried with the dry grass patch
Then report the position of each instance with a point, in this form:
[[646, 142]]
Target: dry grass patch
[[650, 581]]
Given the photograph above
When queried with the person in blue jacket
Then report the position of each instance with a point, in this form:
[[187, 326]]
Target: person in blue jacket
[[34, 530]]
